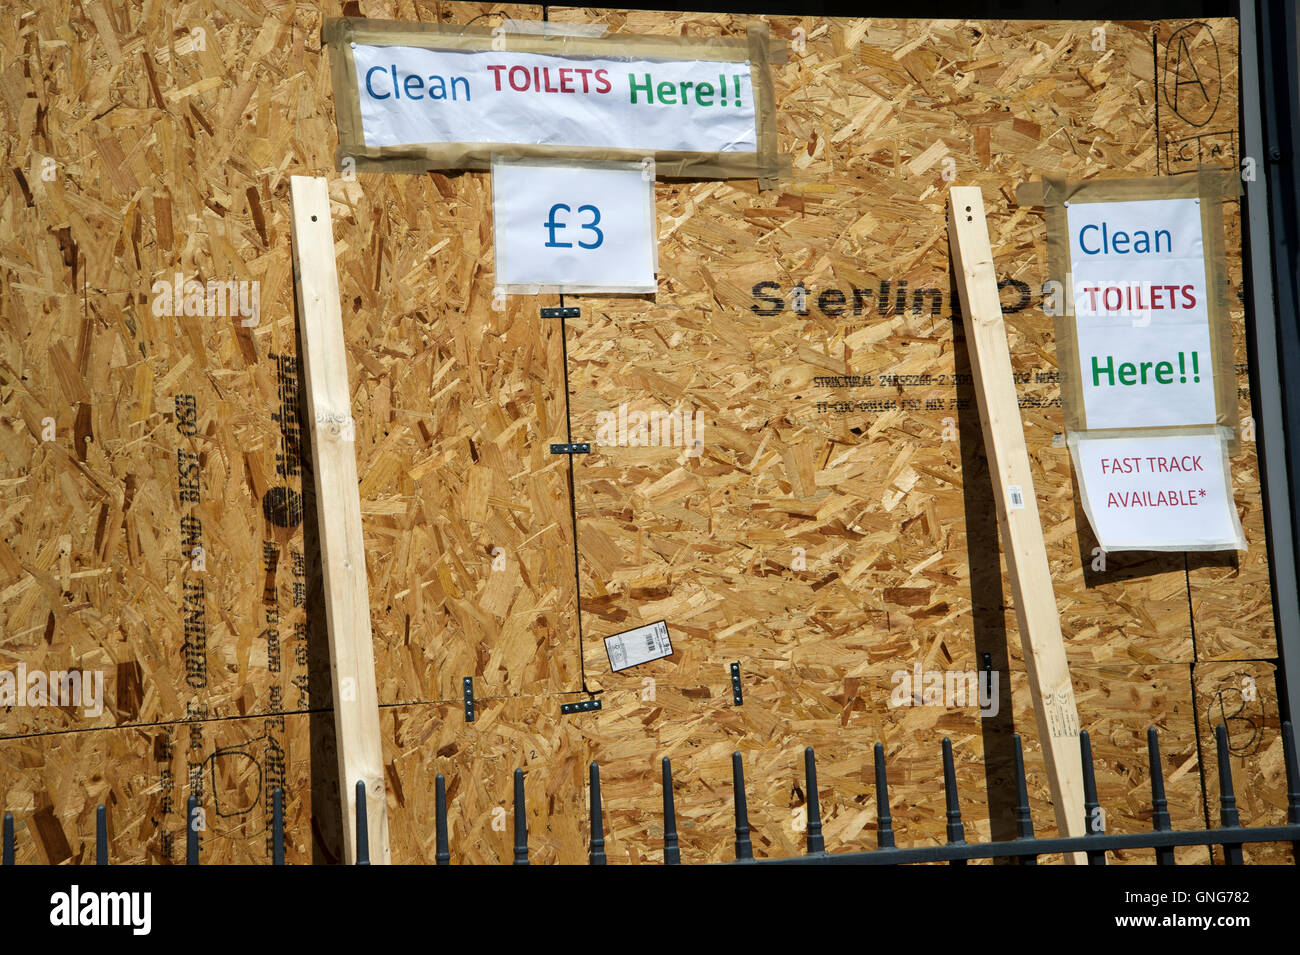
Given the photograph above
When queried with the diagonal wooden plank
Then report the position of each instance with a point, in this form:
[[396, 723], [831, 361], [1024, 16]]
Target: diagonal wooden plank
[[338, 510], [1013, 489]]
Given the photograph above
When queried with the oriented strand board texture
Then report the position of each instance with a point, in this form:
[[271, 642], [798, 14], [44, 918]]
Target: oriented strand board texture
[[1243, 697], [145, 775], [156, 491]]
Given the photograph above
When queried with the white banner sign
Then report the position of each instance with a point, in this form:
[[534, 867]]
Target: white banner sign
[[567, 228], [1170, 492], [1141, 312], [412, 96]]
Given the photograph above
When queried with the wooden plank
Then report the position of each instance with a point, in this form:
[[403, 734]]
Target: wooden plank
[[1013, 488], [338, 509]]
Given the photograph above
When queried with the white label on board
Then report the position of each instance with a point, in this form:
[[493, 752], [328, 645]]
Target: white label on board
[[634, 647]]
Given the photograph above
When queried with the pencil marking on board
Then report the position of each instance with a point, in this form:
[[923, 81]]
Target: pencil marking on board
[[1193, 75]]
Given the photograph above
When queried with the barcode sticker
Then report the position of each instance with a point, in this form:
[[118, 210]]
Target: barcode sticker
[[634, 647], [1015, 498]]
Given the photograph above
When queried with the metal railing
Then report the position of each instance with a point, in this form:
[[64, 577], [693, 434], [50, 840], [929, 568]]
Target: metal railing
[[1025, 848]]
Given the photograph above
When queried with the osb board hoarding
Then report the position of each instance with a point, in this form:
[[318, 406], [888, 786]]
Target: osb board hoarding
[[138, 148]]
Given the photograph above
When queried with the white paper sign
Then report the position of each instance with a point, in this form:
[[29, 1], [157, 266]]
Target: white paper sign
[[1170, 492], [561, 228], [634, 647], [1141, 311], [411, 96]]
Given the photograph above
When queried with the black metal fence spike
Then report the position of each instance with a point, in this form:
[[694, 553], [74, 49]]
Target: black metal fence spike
[[442, 851], [884, 822], [101, 835], [1094, 819], [1228, 819], [596, 855], [8, 854], [744, 850], [1227, 798], [816, 842], [672, 854], [1160, 821], [192, 818], [363, 826], [277, 826], [521, 821], [956, 831], [1292, 783], [1024, 820]]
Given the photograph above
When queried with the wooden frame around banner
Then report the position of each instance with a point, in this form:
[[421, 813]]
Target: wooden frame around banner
[[756, 47], [1211, 187]]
